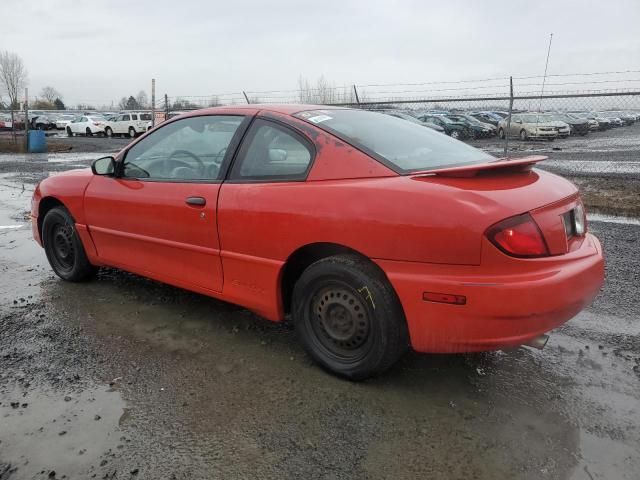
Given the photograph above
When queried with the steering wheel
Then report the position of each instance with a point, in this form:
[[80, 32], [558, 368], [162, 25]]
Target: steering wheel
[[201, 167]]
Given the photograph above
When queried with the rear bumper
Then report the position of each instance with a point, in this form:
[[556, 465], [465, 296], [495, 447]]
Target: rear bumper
[[507, 304]]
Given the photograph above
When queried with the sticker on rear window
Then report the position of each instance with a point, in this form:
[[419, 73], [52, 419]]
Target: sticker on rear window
[[319, 118]]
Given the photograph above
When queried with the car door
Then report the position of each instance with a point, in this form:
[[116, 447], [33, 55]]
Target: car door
[[273, 160], [122, 124], [158, 215], [79, 125]]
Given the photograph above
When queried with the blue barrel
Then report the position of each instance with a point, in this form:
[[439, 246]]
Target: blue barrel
[[37, 141]]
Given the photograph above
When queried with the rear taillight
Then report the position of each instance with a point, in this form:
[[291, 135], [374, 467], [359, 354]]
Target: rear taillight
[[519, 236]]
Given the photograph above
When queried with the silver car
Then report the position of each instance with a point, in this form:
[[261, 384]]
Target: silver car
[[529, 126]]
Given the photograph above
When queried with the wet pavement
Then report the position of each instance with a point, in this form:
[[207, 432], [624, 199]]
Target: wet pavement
[[123, 377]]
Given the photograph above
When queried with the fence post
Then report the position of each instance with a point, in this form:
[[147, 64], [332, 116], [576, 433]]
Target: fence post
[[506, 134], [166, 107], [153, 102], [26, 119], [245, 96], [355, 91]]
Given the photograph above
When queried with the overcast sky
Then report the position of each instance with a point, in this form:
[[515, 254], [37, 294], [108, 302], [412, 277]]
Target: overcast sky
[[96, 52]]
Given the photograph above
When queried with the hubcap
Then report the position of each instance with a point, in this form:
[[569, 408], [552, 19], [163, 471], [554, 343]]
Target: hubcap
[[340, 320]]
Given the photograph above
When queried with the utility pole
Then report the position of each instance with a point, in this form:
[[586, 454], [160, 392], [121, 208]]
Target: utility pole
[[166, 107], [153, 102]]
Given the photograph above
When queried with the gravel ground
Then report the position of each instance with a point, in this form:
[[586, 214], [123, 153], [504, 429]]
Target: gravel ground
[[123, 377]]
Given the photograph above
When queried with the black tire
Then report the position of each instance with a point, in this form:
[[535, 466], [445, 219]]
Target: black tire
[[108, 132], [348, 317], [69, 132], [88, 132], [63, 247], [132, 132]]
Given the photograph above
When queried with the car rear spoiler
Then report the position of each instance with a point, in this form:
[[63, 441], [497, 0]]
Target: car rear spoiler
[[505, 164]]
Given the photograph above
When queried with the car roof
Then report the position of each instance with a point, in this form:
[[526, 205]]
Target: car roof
[[287, 108]]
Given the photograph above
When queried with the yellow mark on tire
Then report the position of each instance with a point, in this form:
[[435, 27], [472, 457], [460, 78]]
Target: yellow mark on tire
[[368, 295]]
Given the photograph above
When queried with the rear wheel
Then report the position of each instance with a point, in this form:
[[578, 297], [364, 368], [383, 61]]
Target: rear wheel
[[132, 132], [501, 133], [348, 317], [523, 134], [63, 247]]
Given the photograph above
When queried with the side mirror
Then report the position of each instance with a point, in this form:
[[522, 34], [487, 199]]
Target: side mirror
[[104, 166]]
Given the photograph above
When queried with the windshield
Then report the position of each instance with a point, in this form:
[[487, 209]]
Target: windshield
[[403, 146]]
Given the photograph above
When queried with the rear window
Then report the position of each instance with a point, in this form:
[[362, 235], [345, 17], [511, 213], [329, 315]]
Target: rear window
[[403, 146], [145, 116]]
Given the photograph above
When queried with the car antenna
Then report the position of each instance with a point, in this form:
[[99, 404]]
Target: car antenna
[[544, 79]]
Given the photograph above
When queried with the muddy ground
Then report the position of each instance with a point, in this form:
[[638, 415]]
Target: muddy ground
[[123, 377]]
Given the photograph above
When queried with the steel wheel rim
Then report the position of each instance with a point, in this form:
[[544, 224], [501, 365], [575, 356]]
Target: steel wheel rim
[[62, 247], [341, 322]]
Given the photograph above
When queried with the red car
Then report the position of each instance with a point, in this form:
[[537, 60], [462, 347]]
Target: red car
[[373, 233]]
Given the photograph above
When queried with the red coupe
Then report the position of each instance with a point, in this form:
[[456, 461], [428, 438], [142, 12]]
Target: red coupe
[[373, 233]]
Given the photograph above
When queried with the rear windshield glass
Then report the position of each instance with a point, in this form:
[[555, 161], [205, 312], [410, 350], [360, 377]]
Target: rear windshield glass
[[403, 146]]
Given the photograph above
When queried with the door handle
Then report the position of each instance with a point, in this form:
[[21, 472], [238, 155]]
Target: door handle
[[197, 201]]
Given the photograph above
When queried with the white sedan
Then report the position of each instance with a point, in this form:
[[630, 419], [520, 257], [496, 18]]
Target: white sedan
[[87, 125]]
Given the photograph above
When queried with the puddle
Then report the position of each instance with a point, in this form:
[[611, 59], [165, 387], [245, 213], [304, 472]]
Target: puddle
[[53, 431]]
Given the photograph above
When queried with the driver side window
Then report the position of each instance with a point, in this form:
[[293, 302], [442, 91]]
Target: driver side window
[[189, 149]]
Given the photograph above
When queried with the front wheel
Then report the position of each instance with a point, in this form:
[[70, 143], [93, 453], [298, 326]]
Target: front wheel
[[348, 317], [69, 132], [523, 134], [63, 247], [501, 133], [456, 134], [108, 132], [132, 132], [88, 132]]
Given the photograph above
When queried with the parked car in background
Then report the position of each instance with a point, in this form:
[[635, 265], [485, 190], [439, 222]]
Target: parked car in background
[[478, 129], [5, 122], [456, 130], [612, 117], [564, 130], [528, 126], [130, 123], [487, 117], [603, 123], [577, 126], [626, 118], [63, 120], [447, 249], [593, 124], [42, 122], [86, 125], [411, 118]]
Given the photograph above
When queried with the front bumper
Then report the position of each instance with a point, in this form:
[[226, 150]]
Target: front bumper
[[507, 304], [543, 134]]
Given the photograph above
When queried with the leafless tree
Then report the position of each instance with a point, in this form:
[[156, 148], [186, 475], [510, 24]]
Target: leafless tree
[[50, 94], [142, 100], [13, 77], [122, 104]]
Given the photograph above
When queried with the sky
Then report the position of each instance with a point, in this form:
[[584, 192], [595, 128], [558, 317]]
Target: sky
[[97, 52]]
